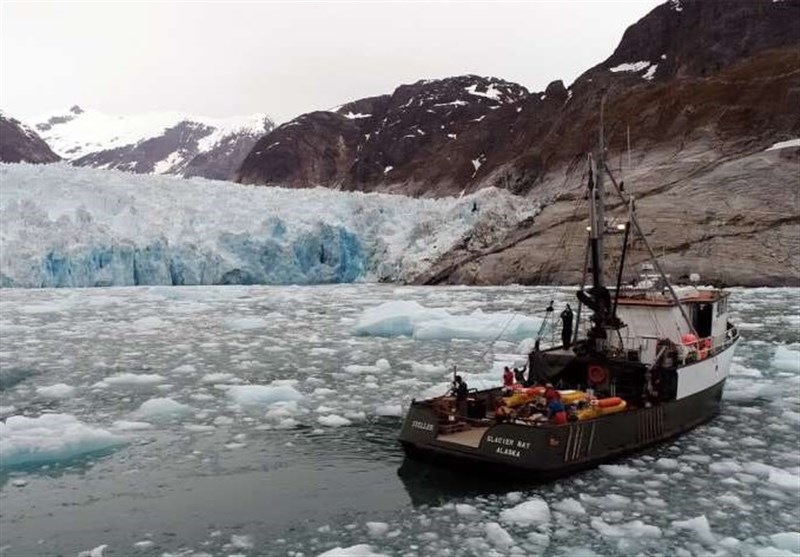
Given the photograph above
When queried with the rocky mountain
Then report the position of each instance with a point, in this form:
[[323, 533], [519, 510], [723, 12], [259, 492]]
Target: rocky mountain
[[702, 89], [160, 143], [19, 143], [424, 136]]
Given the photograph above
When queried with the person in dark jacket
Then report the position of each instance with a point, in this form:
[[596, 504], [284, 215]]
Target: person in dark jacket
[[460, 390], [566, 327]]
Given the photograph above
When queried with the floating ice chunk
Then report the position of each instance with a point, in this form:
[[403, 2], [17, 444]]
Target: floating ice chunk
[[479, 326], [246, 324], [786, 359], [635, 528], [773, 552], [96, 552], [785, 480], [360, 550], [241, 541], [700, 527], [787, 541], [725, 467], [398, 318], [612, 501], [49, 438], [465, 509], [59, 390], [333, 420], [144, 544], [427, 369], [126, 425], [381, 367], [534, 511], [394, 410], [185, 369], [377, 529], [149, 324], [569, 506], [619, 470], [667, 464], [253, 395], [134, 379], [498, 536], [219, 377], [162, 409]]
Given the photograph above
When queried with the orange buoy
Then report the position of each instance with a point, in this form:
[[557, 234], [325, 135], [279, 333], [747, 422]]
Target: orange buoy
[[597, 374], [608, 402]]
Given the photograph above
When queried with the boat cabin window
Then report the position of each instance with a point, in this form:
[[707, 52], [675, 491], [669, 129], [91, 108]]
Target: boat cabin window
[[703, 318], [722, 307]]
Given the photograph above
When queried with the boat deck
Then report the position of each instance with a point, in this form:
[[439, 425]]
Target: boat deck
[[470, 438]]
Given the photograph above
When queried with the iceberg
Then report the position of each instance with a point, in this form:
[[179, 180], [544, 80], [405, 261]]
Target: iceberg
[[62, 226]]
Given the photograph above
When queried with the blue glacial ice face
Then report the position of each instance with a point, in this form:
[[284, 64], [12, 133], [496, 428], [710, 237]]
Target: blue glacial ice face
[[323, 255], [73, 227]]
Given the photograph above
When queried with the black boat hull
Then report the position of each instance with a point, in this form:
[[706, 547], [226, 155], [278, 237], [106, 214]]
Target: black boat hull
[[544, 452]]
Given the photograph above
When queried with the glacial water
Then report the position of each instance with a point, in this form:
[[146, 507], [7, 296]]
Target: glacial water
[[253, 420]]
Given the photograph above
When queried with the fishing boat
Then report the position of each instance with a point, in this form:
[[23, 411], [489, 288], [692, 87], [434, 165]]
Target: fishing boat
[[650, 364]]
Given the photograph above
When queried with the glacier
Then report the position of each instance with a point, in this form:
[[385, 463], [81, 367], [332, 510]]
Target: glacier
[[62, 226]]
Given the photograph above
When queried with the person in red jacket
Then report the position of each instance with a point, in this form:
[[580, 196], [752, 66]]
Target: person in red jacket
[[508, 378]]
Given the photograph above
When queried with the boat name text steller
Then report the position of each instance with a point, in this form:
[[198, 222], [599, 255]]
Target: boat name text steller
[[424, 426]]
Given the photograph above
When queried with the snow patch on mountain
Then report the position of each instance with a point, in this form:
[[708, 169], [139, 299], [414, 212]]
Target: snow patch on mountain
[[630, 67]]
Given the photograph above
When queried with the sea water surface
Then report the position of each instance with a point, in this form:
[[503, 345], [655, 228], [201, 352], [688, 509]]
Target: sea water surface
[[255, 421]]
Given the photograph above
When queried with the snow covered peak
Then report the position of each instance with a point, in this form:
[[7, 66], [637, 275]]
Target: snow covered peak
[[155, 142], [76, 132]]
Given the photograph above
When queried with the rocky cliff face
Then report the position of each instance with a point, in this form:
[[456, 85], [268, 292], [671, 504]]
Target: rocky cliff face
[[423, 138], [19, 143], [160, 143], [702, 88]]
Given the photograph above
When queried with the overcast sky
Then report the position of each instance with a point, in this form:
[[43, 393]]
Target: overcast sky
[[229, 58]]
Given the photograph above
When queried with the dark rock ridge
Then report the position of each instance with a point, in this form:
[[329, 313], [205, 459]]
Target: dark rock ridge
[[160, 143], [19, 143], [704, 88], [425, 133]]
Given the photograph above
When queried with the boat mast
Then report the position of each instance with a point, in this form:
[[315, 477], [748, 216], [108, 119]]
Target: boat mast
[[599, 203]]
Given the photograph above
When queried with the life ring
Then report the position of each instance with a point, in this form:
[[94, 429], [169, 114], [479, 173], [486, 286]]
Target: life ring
[[597, 374]]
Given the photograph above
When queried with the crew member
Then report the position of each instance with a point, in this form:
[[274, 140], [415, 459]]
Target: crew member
[[556, 411], [566, 327], [508, 378], [460, 390]]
